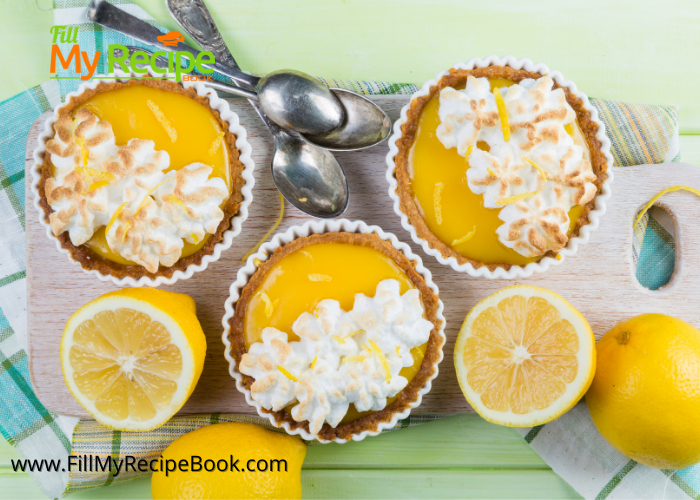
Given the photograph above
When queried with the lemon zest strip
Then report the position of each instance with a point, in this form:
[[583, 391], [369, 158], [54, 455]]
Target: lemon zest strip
[[502, 114], [353, 359], [284, 372], [217, 142], [354, 333], [313, 363], [97, 185], [174, 199], [382, 358], [338, 339], [397, 352], [114, 217], [194, 237], [269, 307], [264, 238], [659, 195], [465, 238], [163, 120], [536, 166], [515, 198], [437, 201], [468, 153], [93, 172], [320, 277]]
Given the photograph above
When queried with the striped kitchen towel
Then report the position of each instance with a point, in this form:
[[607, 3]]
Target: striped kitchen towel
[[639, 134]]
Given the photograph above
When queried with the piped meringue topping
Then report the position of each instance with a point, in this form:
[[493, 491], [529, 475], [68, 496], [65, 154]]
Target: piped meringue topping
[[148, 212], [341, 358], [535, 173]]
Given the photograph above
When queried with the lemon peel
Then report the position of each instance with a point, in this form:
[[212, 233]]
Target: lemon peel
[[313, 363], [194, 237], [437, 201], [174, 199], [97, 185], [465, 238], [515, 198], [93, 172], [536, 166], [286, 373], [217, 142], [269, 307], [338, 339], [468, 153], [382, 358], [354, 333], [659, 195], [320, 277], [163, 120], [264, 238], [502, 114], [354, 359], [114, 217]]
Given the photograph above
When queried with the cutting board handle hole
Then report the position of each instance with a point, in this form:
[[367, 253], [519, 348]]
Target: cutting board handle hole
[[657, 259]]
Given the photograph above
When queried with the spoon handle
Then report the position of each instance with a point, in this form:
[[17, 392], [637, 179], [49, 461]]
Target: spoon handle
[[109, 16], [194, 17]]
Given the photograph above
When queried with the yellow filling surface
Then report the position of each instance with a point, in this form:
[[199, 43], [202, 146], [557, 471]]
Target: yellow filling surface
[[302, 279], [450, 209], [184, 128]]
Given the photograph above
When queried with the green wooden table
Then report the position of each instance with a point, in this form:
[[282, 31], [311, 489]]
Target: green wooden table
[[637, 51]]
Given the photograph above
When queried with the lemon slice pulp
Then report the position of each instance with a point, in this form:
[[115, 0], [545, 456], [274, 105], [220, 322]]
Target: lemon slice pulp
[[132, 357], [524, 356]]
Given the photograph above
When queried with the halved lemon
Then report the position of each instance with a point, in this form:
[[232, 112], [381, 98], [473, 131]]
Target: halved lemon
[[524, 356], [132, 357]]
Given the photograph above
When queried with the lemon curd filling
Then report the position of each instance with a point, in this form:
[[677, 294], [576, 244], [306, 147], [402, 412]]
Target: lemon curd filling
[[302, 279], [183, 127], [452, 212]]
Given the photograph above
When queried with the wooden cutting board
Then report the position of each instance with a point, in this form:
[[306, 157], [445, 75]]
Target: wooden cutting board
[[599, 281]]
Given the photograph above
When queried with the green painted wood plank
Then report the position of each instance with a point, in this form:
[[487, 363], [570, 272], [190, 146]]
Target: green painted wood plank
[[464, 441], [690, 149], [19, 487], [434, 484], [360, 484]]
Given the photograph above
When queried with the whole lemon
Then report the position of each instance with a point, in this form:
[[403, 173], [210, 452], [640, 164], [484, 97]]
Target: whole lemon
[[645, 396], [230, 460]]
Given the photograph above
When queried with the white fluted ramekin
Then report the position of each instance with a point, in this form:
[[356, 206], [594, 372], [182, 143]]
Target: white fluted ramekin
[[244, 149], [291, 234], [515, 271]]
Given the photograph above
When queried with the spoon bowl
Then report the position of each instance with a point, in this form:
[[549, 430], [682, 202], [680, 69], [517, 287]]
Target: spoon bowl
[[299, 102], [310, 178], [365, 125]]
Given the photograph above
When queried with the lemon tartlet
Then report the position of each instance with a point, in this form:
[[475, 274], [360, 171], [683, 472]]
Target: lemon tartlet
[[497, 166], [334, 336], [143, 179]]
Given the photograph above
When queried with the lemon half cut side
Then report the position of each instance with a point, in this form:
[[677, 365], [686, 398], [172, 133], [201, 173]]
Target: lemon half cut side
[[132, 357], [524, 356]]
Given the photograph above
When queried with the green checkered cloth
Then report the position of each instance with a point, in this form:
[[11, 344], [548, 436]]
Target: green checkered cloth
[[571, 445]]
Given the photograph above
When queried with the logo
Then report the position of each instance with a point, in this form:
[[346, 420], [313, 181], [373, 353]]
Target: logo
[[171, 39], [179, 62]]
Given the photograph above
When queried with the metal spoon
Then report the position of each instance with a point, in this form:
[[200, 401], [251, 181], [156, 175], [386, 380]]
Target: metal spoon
[[310, 178], [290, 98], [365, 124]]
